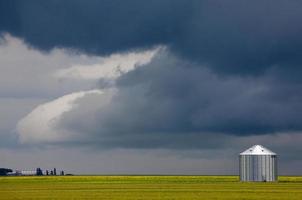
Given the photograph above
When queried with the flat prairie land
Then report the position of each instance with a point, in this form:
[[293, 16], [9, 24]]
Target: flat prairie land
[[147, 187]]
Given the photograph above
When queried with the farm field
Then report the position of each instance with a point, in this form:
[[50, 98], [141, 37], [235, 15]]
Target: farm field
[[146, 187]]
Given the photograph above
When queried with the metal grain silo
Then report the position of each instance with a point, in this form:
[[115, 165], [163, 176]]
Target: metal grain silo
[[258, 164]]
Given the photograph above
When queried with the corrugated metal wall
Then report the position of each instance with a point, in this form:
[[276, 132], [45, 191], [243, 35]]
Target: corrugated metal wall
[[258, 168]]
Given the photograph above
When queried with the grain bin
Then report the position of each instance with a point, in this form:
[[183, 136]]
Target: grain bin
[[258, 164]]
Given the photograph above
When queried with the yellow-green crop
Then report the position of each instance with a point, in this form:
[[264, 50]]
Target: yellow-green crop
[[146, 187]]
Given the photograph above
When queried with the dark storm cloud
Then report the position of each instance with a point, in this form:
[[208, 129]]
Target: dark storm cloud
[[237, 36], [234, 67], [94, 26], [173, 103]]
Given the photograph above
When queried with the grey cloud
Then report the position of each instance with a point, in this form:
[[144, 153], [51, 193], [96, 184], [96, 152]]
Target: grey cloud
[[28, 73], [11, 110], [156, 161], [233, 37], [119, 161], [173, 103]]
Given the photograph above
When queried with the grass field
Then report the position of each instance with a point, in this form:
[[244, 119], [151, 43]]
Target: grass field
[[146, 187]]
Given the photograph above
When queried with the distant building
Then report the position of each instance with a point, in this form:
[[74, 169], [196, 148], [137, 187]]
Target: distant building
[[28, 173], [258, 164]]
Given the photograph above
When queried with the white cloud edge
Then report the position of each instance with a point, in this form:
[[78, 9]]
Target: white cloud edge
[[40, 124], [110, 67]]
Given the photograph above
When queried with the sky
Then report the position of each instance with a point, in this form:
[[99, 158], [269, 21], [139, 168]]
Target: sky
[[149, 87]]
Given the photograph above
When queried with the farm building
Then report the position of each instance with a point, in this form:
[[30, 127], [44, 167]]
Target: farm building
[[258, 164], [28, 173]]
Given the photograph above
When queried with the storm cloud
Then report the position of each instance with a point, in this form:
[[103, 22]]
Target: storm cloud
[[172, 103], [228, 67], [238, 36]]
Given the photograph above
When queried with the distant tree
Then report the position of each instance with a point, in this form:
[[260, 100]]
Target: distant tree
[[51, 172], [4, 171], [55, 171], [47, 172], [39, 172], [62, 173]]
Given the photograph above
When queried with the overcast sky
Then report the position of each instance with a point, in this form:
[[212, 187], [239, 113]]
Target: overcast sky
[[149, 86]]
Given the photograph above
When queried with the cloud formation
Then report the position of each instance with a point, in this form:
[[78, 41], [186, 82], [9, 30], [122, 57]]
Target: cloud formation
[[109, 68], [27, 72], [229, 68], [241, 37], [41, 124], [174, 103]]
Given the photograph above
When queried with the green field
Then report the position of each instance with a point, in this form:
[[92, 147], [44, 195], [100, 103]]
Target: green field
[[146, 187]]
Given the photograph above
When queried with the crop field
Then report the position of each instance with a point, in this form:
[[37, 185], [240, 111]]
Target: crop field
[[146, 187]]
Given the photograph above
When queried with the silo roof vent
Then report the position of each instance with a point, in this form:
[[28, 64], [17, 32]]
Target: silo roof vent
[[257, 150]]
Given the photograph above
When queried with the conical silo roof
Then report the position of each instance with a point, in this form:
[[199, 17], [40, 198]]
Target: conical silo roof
[[257, 150]]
